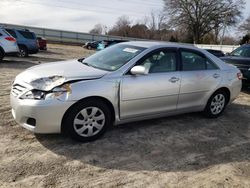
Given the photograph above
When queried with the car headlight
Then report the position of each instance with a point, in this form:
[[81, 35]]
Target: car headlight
[[42, 95], [34, 94], [47, 83]]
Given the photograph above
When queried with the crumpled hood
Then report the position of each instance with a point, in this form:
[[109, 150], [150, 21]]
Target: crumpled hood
[[71, 70]]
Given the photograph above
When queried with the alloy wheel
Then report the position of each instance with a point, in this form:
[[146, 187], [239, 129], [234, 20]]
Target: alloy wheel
[[217, 104], [89, 121]]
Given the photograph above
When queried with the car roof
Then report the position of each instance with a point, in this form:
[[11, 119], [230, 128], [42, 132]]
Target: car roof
[[155, 44], [18, 29], [151, 44]]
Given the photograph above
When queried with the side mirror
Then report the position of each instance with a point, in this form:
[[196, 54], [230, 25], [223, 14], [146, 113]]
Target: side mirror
[[228, 54], [138, 70]]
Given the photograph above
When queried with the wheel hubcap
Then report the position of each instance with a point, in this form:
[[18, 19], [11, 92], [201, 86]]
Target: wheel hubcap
[[217, 104], [89, 121]]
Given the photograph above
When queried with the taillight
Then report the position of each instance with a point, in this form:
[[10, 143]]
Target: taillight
[[12, 39], [239, 76]]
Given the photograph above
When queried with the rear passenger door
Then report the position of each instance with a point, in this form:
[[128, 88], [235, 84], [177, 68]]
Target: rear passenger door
[[199, 76]]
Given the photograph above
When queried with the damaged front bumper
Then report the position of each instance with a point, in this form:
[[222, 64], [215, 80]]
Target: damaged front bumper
[[40, 116]]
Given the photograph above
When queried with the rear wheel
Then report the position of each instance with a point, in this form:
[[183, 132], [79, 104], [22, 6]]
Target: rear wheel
[[216, 104], [87, 120], [23, 51]]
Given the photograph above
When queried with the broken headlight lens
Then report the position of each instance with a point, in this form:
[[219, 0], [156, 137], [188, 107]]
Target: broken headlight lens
[[34, 94], [43, 95]]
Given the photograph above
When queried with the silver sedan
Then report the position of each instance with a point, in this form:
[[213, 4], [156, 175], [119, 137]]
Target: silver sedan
[[126, 82]]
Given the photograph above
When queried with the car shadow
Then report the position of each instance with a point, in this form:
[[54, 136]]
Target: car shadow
[[180, 143]]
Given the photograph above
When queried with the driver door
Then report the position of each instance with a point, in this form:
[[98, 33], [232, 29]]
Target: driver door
[[154, 93]]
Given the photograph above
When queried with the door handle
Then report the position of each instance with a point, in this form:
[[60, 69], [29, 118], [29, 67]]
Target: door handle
[[174, 79], [216, 75]]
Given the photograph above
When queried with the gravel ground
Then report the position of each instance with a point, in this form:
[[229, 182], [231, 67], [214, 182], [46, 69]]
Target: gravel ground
[[181, 151]]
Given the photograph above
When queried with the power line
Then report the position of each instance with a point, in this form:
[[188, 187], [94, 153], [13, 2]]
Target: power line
[[143, 3], [140, 2], [78, 9], [98, 6]]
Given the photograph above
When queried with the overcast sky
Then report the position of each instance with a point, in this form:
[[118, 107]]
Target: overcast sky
[[77, 15]]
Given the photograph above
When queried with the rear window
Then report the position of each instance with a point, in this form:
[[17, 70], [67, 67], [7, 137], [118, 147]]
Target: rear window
[[11, 32], [27, 35]]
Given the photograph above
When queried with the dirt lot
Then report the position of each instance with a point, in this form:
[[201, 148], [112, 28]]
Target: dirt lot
[[182, 151]]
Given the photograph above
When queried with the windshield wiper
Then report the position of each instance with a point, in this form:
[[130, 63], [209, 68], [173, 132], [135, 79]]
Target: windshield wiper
[[81, 59], [88, 64]]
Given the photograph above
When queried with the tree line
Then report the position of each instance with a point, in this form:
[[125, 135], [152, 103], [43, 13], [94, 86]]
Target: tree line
[[188, 21]]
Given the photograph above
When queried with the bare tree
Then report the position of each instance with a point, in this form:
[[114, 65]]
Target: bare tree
[[98, 29], [156, 22], [245, 27], [202, 16], [122, 27], [139, 31]]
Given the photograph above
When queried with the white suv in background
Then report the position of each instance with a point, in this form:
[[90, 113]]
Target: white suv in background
[[8, 44]]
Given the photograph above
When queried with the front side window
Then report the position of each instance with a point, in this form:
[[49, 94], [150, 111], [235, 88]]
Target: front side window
[[114, 57], [192, 61], [160, 61]]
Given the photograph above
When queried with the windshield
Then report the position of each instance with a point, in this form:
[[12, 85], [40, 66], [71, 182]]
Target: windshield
[[114, 57], [242, 52]]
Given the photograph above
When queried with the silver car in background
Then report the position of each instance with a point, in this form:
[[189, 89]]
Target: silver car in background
[[8, 44], [126, 82]]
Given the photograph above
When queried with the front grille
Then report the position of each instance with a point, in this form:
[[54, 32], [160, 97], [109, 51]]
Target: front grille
[[17, 89]]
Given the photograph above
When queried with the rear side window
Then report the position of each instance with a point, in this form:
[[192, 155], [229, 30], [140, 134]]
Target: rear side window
[[27, 35], [192, 61], [11, 32]]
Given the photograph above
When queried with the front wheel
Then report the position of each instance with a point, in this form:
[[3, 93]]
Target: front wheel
[[87, 120], [216, 104]]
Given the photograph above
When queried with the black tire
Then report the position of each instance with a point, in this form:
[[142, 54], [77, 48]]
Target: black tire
[[212, 104], [69, 127], [89, 48], [23, 51], [1, 55]]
